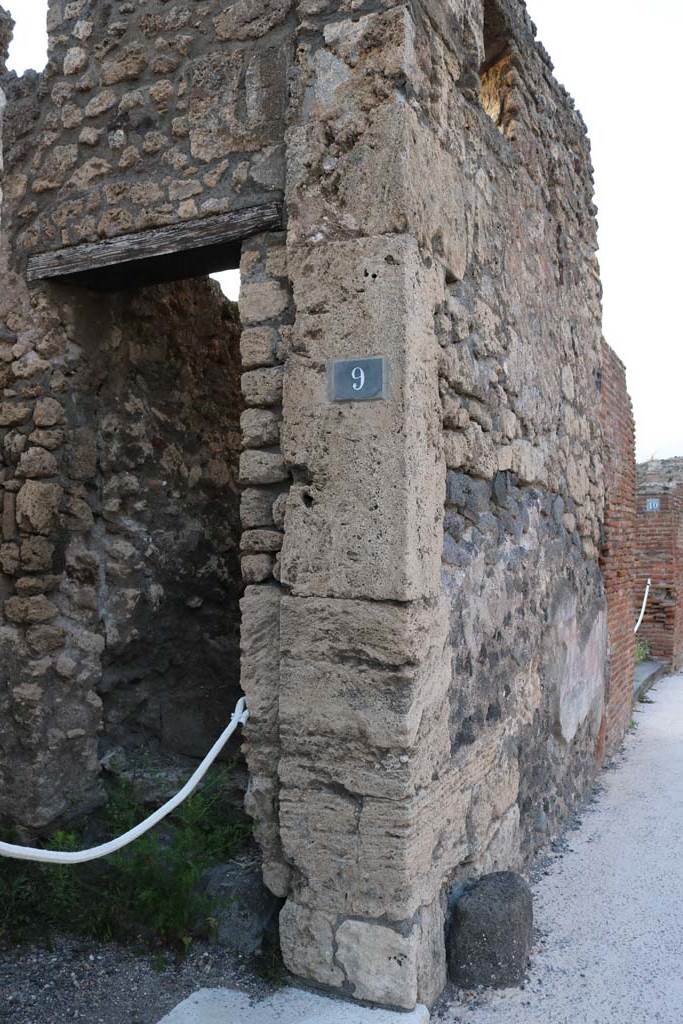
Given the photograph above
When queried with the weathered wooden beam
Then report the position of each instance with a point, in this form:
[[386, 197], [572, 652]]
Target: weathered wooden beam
[[201, 233]]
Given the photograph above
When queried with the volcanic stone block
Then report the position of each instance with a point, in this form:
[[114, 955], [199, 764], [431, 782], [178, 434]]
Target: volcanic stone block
[[260, 639], [256, 507], [245, 912], [258, 345], [490, 932], [245, 20], [37, 506], [380, 962]]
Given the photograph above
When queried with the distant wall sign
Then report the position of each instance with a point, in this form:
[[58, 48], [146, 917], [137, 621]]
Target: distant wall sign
[[652, 504], [358, 380]]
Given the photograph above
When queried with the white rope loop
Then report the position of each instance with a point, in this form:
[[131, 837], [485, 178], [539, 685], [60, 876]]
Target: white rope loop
[[240, 716], [642, 610]]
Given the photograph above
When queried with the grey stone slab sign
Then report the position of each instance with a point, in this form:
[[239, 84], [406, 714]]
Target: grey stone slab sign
[[358, 380]]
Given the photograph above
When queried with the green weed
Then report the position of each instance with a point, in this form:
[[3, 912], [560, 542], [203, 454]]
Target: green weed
[[148, 891], [642, 651]]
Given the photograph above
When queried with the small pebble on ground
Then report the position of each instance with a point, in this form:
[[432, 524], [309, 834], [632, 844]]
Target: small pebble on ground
[[79, 980]]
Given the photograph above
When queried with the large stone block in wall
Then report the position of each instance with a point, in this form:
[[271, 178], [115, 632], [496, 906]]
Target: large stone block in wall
[[355, 669], [382, 962], [362, 520], [373, 188], [357, 162], [256, 82], [357, 819], [260, 662], [260, 679]]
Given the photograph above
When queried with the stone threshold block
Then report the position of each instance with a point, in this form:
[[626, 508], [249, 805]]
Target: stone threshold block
[[291, 1006]]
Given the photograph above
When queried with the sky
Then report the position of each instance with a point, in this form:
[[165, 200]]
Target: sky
[[619, 59]]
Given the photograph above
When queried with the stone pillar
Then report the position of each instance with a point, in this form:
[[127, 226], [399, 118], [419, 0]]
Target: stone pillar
[[362, 634], [360, 637]]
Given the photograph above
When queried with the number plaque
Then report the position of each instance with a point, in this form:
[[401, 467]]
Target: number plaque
[[358, 380]]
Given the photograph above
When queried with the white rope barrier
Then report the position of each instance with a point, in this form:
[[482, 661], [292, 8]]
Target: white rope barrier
[[240, 716], [642, 610]]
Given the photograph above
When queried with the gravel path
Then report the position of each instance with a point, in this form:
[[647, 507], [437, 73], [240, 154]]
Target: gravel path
[[108, 984], [610, 909]]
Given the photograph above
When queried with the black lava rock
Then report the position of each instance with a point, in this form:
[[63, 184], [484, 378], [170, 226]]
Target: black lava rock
[[245, 912], [490, 931]]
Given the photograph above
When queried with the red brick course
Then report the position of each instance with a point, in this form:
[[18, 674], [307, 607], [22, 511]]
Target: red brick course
[[660, 557], [618, 559]]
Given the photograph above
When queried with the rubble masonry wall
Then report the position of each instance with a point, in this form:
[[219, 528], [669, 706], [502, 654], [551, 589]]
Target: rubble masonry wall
[[123, 132], [120, 533]]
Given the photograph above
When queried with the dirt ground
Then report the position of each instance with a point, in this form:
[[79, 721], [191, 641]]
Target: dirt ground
[[84, 981]]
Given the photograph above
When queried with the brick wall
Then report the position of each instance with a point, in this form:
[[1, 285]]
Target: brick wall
[[677, 567], [617, 558], [659, 557]]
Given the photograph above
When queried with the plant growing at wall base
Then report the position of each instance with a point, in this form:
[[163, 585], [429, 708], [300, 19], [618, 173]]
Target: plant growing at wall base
[[150, 891], [642, 651]]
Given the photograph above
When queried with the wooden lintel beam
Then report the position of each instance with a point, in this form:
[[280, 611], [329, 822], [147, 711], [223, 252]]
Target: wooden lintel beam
[[146, 245]]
